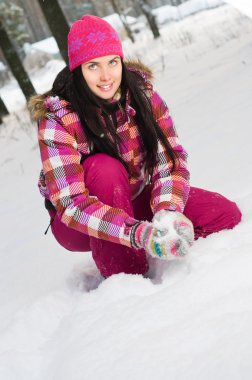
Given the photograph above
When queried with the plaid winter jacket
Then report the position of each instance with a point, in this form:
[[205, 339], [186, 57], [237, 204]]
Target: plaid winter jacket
[[63, 145]]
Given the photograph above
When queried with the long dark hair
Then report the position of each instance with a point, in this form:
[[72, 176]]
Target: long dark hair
[[94, 112]]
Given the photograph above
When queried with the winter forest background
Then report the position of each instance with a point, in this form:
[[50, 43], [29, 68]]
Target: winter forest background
[[192, 318]]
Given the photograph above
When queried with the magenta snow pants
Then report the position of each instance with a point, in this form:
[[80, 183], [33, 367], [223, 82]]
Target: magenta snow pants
[[209, 212]]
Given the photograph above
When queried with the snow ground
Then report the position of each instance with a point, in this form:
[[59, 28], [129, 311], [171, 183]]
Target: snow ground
[[192, 320], [244, 6]]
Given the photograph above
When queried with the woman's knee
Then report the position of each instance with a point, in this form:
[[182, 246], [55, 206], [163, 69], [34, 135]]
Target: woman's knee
[[232, 212], [225, 213], [106, 178], [103, 169], [211, 212]]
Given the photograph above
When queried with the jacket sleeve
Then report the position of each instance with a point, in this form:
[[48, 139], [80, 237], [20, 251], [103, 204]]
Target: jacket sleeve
[[64, 178], [170, 188]]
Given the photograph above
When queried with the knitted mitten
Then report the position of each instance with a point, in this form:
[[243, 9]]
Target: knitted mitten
[[176, 228], [143, 235], [157, 242]]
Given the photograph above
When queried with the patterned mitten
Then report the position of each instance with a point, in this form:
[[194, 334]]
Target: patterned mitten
[[143, 236], [153, 241], [175, 228]]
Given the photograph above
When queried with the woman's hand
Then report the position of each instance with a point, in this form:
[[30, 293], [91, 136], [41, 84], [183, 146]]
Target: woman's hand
[[170, 234], [176, 228]]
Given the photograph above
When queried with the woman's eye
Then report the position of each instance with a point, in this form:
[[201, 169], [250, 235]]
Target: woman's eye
[[113, 63], [92, 66]]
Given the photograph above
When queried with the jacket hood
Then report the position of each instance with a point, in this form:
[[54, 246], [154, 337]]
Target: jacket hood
[[39, 105]]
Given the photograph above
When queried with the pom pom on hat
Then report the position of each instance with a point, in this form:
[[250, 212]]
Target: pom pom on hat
[[89, 38]]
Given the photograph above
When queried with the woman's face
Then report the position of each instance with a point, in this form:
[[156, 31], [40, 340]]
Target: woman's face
[[103, 75]]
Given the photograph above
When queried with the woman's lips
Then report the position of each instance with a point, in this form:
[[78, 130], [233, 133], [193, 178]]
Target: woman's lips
[[106, 87]]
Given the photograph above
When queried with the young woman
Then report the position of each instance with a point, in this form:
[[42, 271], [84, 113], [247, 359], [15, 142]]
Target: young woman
[[114, 177]]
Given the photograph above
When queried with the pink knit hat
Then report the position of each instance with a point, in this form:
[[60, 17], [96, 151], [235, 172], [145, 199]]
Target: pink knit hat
[[91, 37]]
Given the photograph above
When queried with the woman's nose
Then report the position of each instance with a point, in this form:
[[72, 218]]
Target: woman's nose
[[105, 74]]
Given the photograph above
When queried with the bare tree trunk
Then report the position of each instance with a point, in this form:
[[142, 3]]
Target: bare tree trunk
[[123, 19], [3, 110], [57, 23], [146, 9], [176, 2], [15, 63], [95, 12]]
